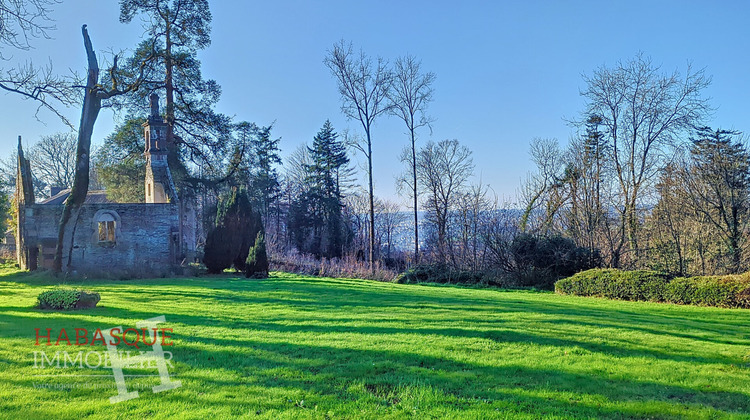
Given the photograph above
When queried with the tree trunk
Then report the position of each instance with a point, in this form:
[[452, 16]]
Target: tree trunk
[[414, 186], [736, 252], [169, 88], [372, 204], [24, 196], [91, 106]]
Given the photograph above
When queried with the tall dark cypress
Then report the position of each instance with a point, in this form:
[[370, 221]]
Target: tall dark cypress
[[237, 226]]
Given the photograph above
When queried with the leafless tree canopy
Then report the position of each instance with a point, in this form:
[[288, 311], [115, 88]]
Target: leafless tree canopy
[[537, 193], [410, 95], [642, 111], [388, 220], [53, 159], [94, 94], [443, 171], [411, 92], [21, 20], [364, 91], [51, 91], [363, 86]]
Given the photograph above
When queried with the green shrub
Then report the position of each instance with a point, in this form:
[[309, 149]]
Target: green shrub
[[217, 254], [58, 299], [723, 291], [438, 273], [540, 261]]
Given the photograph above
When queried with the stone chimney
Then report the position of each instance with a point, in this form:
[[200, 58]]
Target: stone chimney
[[159, 185]]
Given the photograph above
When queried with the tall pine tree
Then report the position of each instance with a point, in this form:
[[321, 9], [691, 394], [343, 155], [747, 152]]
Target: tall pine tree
[[264, 178], [316, 219], [175, 31]]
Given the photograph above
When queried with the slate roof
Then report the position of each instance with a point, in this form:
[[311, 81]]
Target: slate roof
[[92, 197]]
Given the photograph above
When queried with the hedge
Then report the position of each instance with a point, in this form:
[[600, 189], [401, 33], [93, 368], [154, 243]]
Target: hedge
[[723, 291]]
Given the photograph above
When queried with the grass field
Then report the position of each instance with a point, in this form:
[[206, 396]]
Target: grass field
[[301, 347]]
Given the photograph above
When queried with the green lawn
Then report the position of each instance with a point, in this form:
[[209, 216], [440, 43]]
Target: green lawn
[[304, 347]]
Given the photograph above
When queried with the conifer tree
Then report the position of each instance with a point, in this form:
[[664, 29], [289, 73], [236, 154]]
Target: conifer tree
[[175, 31], [718, 181], [316, 219], [235, 229], [264, 178], [256, 264]]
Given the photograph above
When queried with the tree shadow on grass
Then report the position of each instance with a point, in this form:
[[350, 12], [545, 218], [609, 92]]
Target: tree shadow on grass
[[333, 326], [321, 300], [302, 355], [718, 332], [331, 370], [338, 371]]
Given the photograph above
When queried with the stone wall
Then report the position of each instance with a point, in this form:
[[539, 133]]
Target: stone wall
[[145, 240]]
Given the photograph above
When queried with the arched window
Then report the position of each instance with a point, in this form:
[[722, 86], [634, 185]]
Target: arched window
[[107, 224]]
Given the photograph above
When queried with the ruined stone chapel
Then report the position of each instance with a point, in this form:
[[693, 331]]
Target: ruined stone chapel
[[128, 239]]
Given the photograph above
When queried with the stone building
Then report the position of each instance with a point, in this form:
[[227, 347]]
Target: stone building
[[115, 239]]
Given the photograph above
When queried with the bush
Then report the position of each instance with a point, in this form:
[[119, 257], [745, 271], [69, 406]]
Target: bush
[[256, 264], [439, 273], [65, 299], [616, 284], [722, 291], [540, 261]]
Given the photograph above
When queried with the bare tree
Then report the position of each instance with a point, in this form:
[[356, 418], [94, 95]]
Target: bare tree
[[357, 209], [410, 95], [20, 21], [443, 170], [541, 193], [9, 173], [293, 183], [50, 91], [53, 159], [364, 92], [388, 219], [671, 220], [643, 111], [589, 183], [94, 94], [296, 172], [474, 215]]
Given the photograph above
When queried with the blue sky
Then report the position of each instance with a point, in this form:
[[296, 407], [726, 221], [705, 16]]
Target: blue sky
[[507, 71]]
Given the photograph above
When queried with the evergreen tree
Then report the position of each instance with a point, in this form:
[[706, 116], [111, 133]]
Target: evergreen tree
[[256, 264], [316, 220], [177, 30], [235, 229], [5, 215], [120, 163], [217, 254], [264, 178], [719, 183], [328, 154]]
